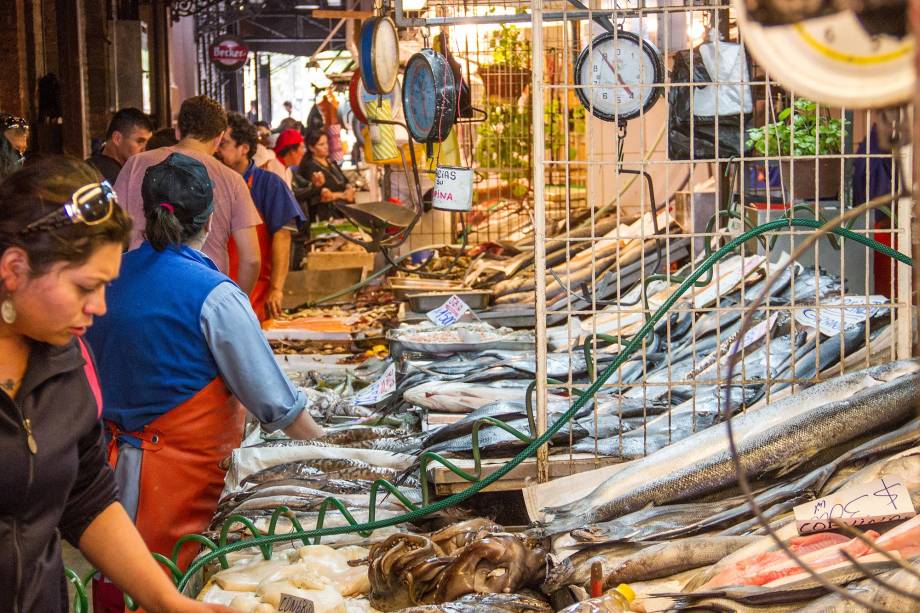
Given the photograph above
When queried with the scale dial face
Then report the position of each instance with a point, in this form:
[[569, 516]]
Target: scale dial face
[[429, 97], [833, 60], [379, 55], [617, 76]]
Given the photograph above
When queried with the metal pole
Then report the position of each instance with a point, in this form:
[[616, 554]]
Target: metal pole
[[914, 11], [539, 227]]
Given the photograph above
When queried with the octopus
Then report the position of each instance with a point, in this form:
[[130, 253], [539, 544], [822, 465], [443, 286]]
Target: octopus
[[409, 570], [458, 536]]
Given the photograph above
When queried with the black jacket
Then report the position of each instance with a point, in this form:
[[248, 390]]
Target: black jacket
[[309, 196], [55, 492]]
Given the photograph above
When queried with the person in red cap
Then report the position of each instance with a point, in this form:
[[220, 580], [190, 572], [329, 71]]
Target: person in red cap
[[289, 148]]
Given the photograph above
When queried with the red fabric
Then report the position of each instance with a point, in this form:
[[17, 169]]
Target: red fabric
[[286, 139], [90, 371], [181, 477], [259, 294]]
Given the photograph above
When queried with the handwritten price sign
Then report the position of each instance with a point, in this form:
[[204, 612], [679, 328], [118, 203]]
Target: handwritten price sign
[[876, 502], [378, 390], [448, 313], [295, 604]]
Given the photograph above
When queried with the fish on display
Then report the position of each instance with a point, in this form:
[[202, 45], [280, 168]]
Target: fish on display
[[779, 435], [497, 441], [665, 559], [487, 603], [342, 468]]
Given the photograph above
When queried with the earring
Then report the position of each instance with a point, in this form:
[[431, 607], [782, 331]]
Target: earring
[[8, 311]]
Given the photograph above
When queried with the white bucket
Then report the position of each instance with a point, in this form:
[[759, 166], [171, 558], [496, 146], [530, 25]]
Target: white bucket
[[453, 189]]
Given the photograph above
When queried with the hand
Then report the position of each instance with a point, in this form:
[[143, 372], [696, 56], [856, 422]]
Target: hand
[[326, 195], [273, 303], [318, 179], [349, 194]]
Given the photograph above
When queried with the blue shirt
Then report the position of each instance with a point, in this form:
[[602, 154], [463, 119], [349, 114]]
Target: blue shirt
[[175, 323], [273, 199]]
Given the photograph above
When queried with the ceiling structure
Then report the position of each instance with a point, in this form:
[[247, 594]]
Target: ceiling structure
[[280, 26]]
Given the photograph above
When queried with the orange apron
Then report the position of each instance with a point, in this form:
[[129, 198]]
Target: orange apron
[[259, 294], [180, 476]]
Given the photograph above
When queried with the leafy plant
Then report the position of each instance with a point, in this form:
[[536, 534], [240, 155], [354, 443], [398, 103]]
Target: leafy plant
[[504, 141], [509, 49], [805, 132]]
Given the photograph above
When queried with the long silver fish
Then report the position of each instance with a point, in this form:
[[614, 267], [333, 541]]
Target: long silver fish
[[777, 435], [670, 558], [872, 591]]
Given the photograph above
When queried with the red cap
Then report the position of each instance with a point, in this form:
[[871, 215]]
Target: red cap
[[286, 139]]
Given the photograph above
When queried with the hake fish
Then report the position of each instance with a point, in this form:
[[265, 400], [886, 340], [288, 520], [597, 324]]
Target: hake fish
[[776, 435]]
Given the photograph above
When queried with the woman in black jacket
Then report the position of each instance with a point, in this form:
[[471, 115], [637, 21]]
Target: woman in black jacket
[[320, 182], [61, 239]]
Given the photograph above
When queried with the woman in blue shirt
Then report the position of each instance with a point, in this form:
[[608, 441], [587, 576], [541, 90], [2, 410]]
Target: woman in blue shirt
[[179, 344]]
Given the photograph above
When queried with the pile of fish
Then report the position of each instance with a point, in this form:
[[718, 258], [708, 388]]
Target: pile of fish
[[614, 248], [673, 524]]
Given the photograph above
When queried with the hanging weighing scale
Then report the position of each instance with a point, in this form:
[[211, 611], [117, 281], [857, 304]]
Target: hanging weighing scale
[[832, 59], [378, 55], [618, 76], [429, 96]]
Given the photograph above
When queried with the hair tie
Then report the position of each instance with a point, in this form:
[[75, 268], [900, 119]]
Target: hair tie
[[168, 207]]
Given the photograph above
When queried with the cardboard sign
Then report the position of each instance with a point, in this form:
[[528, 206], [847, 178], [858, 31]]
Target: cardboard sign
[[378, 390], [828, 318], [876, 502], [448, 313], [295, 604], [453, 189]]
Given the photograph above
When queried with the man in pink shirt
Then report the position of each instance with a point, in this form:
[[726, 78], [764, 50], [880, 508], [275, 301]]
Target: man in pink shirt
[[202, 123]]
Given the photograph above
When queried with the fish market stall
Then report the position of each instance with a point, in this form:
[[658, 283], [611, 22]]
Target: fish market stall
[[684, 371]]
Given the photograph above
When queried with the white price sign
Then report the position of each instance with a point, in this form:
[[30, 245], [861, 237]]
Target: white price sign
[[828, 318], [378, 390], [295, 604], [448, 313], [876, 502]]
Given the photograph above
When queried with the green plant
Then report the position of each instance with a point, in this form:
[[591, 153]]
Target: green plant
[[805, 132], [504, 141], [509, 49]]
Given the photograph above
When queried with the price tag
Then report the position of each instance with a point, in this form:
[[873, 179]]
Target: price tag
[[728, 349], [828, 319], [295, 604], [378, 390], [448, 313], [876, 502]]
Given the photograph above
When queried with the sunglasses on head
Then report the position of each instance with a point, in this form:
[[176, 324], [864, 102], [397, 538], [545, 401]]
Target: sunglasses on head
[[91, 204], [9, 122]]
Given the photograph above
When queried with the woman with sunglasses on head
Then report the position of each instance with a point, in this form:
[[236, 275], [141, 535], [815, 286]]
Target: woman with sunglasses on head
[[61, 240], [179, 342]]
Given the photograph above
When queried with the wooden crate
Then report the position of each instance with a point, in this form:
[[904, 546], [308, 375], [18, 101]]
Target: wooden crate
[[339, 260], [523, 475]]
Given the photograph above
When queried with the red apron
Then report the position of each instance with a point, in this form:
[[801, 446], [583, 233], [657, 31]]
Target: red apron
[[259, 294], [180, 476]]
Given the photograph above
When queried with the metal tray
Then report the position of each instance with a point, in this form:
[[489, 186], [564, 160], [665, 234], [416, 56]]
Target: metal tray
[[424, 302], [402, 286]]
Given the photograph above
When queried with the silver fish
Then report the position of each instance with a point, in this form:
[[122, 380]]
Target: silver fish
[[779, 434], [872, 591], [670, 558]]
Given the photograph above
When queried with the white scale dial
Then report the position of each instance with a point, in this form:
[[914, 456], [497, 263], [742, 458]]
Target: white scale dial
[[618, 76]]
